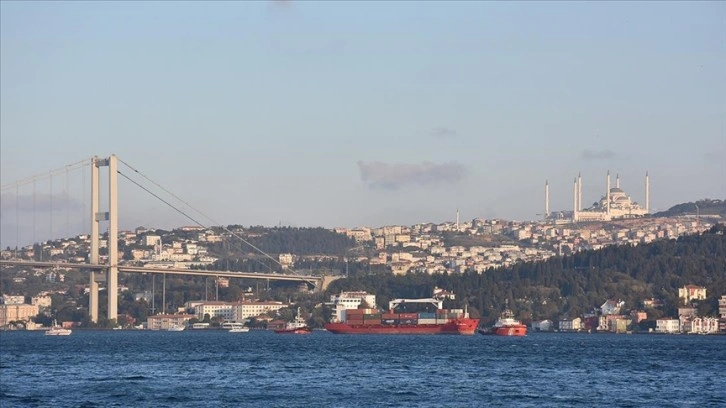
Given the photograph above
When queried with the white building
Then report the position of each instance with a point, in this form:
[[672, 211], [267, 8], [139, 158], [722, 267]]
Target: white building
[[349, 300], [225, 310], [691, 292], [542, 325], [245, 310], [166, 321], [13, 299], [152, 240], [41, 301], [667, 326], [704, 325]]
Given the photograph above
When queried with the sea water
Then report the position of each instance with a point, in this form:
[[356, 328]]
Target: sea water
[[263, 369]]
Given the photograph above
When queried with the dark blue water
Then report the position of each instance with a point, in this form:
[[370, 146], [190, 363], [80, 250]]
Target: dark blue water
[[216, 368]]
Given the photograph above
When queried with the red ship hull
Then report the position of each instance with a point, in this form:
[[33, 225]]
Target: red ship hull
[[513, 330], [465, 327]]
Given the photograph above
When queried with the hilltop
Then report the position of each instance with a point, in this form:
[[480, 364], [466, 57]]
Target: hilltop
[[703, 207]]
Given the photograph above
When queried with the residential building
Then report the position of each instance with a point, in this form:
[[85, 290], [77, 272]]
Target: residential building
[[667, 325], [691, 292], [611, 307], [41, 301], [165, 321], [570, 324], [543, 325], [703, 325]]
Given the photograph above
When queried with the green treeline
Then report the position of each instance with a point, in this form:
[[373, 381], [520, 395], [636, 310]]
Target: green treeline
[[576, 284], [281, 240]]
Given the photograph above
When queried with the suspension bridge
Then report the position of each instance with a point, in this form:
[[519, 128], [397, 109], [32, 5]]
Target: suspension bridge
[[108, 270]]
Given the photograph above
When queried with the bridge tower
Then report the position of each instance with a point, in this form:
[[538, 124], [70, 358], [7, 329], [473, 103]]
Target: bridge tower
[[111, 274]]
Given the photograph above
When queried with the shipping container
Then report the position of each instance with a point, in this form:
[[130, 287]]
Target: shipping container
[[408, 315], [355, 322], [427, 315], [372, 321], [408, 321], [372, 316], [429, 321]]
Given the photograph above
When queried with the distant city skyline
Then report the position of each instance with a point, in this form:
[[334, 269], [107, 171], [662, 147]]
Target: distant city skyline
[[340, 114]]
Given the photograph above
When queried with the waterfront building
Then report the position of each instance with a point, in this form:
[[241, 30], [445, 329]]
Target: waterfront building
[[245, 310], [667, 325], [16, 312], [167, 321], [225, 310], [542, 325], [571, 324], [722, 306], [703, 325]]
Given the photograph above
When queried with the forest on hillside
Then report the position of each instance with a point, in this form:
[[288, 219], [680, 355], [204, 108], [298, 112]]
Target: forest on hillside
[[281, 240], [576, 284], [701, 207]]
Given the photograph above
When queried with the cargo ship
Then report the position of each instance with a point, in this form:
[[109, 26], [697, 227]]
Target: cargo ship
[[371, 321], [506, 325]]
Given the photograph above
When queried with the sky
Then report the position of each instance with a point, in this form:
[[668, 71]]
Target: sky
[[345, 114]]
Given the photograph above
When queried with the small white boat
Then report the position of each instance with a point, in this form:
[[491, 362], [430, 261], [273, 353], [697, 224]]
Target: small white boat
[[241, 329], [57, 330], [176, 327]]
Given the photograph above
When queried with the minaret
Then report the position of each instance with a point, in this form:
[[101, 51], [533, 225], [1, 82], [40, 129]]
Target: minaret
[[647, 194], [617, 180], [607, 196], [574, 201], [579, 192], [547, 199], [457, 219]]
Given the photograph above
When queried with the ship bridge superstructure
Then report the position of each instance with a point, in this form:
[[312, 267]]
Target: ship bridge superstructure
[[393, 304]]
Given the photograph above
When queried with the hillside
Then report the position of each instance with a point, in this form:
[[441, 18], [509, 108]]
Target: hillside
[[576, 284], [703, 207]]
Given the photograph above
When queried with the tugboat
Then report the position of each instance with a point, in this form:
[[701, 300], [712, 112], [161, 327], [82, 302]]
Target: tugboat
[[297, 326], [506, 325]]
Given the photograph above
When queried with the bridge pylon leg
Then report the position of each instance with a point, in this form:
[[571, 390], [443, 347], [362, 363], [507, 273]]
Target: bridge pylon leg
[[93, 255]]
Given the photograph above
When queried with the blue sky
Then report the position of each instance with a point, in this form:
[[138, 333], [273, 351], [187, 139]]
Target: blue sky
[[362, 113]]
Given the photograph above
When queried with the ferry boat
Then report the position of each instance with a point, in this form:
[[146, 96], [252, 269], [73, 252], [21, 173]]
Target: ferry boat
[[506, 325], [57, 330], [297, 326], [370, 321]]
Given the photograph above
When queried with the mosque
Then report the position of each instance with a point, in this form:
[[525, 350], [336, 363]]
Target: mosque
[[615, 204]]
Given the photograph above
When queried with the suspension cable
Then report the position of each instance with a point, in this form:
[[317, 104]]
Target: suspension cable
[[196, 210], [32, 179]]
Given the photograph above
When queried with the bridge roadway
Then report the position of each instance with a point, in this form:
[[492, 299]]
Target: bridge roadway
[[316, 281]]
